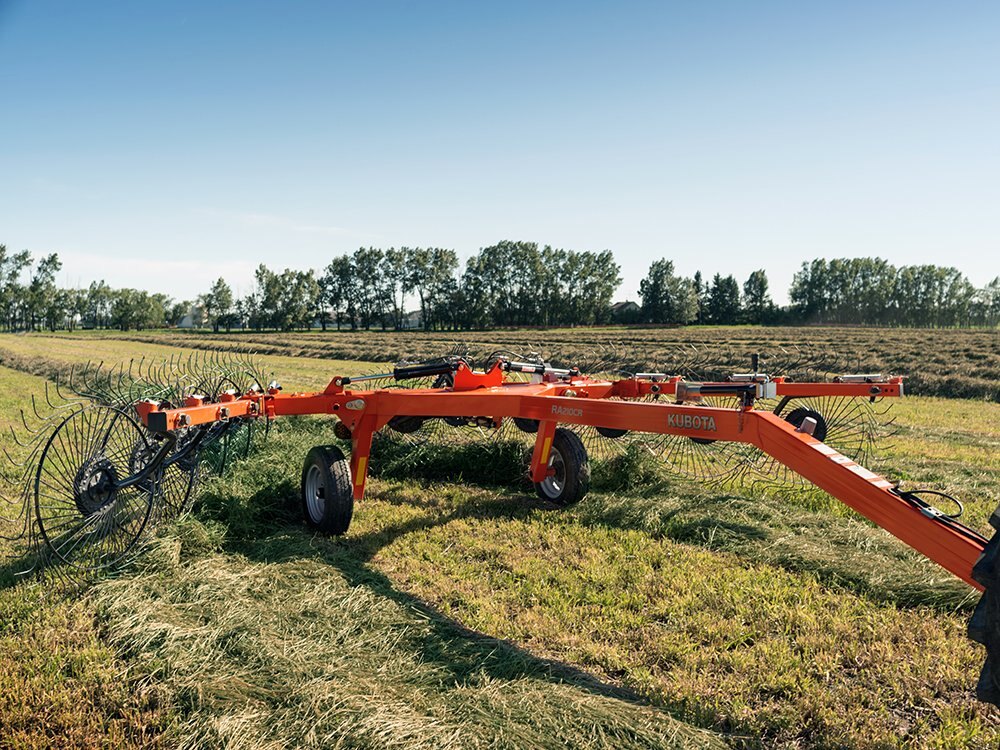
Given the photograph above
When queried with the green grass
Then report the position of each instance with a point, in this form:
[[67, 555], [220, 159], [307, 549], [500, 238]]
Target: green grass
[[461, 612]]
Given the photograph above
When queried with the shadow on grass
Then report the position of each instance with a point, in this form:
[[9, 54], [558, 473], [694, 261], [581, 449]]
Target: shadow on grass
[[633, 492], [777, 527], [18, 569], [270, 531]]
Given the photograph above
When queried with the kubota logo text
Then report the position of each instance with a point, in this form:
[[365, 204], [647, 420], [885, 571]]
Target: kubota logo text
[[567, 411], [691, 422]]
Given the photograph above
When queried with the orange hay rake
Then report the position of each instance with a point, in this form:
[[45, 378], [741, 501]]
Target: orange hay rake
[[118, 483]]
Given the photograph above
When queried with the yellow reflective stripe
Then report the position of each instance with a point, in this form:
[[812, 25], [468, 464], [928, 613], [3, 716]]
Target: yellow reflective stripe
[[359, 476], [545, 450]]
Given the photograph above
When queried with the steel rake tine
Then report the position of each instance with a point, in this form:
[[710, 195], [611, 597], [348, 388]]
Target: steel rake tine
[[74, 376], [24, 421], [69, 384], [17, 440], [174, 365], [167, 373], [20, 464], [34, 408], [152, 376], [193, 364], [90, 375], [113, 383], [154, 371], [10, 458], [48, 400]]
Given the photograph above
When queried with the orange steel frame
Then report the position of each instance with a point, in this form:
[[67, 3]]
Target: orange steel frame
[[578, 400]]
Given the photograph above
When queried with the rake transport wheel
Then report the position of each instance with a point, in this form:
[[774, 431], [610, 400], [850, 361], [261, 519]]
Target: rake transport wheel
[[327, 493], [569, 479], [85, 519], [984, 627]]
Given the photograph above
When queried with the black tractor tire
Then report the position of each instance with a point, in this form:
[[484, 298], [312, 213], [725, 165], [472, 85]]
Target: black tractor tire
[[327, 491], [984, 627], [571, 481]]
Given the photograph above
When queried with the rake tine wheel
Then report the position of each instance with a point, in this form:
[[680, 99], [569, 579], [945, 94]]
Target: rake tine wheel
[[84, 518], [849, 425]]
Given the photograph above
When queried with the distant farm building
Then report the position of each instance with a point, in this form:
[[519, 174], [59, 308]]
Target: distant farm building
[[625, 312]]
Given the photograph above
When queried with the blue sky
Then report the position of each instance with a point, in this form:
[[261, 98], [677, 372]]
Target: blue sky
[[162, 145]]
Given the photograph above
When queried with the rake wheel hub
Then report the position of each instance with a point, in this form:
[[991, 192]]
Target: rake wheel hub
[[95, 485], [801, 414]]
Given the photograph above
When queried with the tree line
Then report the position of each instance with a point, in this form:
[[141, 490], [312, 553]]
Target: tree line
[[31, 300], [844, 291], [509, 284]]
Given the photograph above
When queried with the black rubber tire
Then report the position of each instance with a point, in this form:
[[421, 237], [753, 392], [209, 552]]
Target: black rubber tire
[[612, 433], [526, 425], [798, 416], [405, 424], [572, 481], [327, 493], [984, 627]]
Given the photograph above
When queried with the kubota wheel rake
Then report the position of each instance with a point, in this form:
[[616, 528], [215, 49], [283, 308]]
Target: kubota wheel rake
[[105, 465]]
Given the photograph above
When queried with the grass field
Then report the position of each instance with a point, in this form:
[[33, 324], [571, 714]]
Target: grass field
[[949, 363], [463, 613]]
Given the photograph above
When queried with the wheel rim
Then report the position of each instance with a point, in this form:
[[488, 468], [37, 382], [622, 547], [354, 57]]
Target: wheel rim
[[315, 494], [554, 484]]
